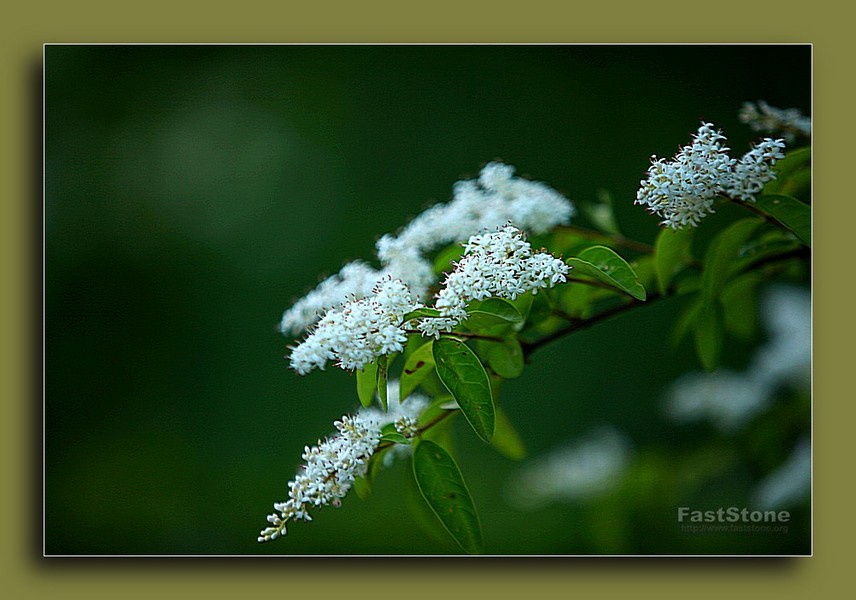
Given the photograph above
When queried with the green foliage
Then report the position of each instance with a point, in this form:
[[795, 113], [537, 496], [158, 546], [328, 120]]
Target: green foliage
[[599, 263], [442, 486], [506, 440], [445, 258], [416, 368], [464, 376], [382, 376], [790, 212], [793, 173], [709, 335], [367, 380], [423, 312], [739, 303], [722, 255], [492, 312], [673, 252], [505, 358]]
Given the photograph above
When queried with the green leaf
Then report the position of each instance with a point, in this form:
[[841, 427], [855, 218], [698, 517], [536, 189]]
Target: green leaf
[[709, 335], [492, 312], [523, 304], [389, 433], [446, 256], [604, 265], [421, 313], [367, 384], [442, 486], [722, 254], [506, 440], [685, 321], [382, 366], [790, 212], [362, 487], [416, 369], [464, 376], [795, 162], [740, 307], [395, 438], [505, 357], [672, 254]]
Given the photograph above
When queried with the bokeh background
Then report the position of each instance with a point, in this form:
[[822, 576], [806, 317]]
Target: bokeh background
[[193, 192]]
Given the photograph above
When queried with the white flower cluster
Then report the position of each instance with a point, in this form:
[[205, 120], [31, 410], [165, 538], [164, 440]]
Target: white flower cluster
[[790, 123], [730, 399], [332, 465], [499, 263], [581, 470], [495, 198], [683, 190], [355, 280], [359, 332], [328, 473]]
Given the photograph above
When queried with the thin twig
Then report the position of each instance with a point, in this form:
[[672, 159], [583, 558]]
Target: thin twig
[[617, 239]]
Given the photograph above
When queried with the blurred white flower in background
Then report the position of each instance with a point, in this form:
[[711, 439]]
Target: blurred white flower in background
[[579, 471], [730, 400], [789, 123], [478, 205]]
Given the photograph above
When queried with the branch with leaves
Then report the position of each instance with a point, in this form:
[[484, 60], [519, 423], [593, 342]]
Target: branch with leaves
[[470, 289]]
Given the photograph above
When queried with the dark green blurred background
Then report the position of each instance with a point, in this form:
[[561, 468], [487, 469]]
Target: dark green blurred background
[[193, 192]]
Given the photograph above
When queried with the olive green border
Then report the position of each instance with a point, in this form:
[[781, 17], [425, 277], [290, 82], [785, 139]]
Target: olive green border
[[27, 575]]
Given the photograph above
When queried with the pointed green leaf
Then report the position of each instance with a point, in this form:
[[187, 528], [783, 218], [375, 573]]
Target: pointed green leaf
[[416, 369], [382, 365], [505, 357], [788, 169], [672, 254], [421, 313], [523, 304], [362, 487], [395, 438], [790, 212], [740, 306], [492, 312], [442, 486], [709, 335], [506, 440], [464, 376], [367, 384], [389, 433], [446, 257], [686, 321], [722, 254], [604, 265]]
